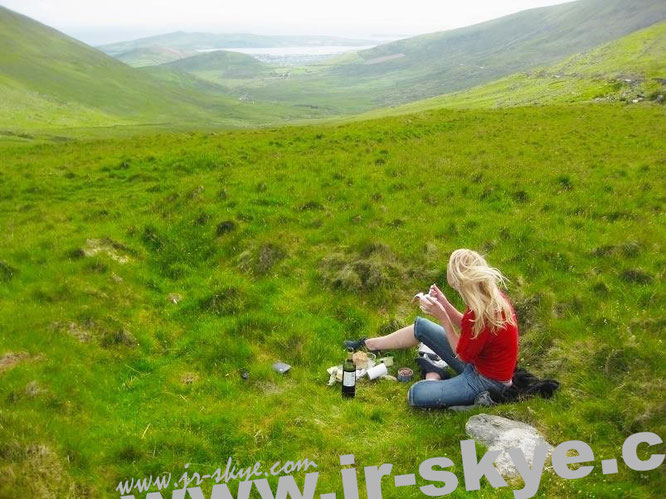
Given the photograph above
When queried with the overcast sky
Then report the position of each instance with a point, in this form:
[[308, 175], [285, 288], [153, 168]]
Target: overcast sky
[[106, 21]]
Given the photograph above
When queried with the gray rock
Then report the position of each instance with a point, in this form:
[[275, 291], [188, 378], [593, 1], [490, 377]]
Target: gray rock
[[498, 433], [281, 367]]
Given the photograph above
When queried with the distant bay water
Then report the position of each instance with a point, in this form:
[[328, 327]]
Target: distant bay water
[[299, 54]]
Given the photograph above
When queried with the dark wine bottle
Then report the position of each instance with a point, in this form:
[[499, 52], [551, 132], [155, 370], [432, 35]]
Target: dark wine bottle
[[349, 376]]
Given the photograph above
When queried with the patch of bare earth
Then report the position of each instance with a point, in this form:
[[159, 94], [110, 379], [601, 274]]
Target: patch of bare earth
[[11, 359], [189, 378], [79, 332]]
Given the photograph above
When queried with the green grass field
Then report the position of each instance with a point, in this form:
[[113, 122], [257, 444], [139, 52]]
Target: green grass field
[[282, 242]]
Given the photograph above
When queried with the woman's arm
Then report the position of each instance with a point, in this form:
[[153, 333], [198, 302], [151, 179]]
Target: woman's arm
[[451, 333], [437, 310], [454, 315]]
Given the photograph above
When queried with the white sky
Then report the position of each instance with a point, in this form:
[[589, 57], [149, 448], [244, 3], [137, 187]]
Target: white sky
[[103, 21]]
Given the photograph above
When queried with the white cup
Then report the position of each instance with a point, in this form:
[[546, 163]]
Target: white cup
[[377, 371]]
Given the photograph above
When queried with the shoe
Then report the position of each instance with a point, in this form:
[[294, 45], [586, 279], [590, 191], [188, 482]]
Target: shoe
[[355, 344], [427, 366]]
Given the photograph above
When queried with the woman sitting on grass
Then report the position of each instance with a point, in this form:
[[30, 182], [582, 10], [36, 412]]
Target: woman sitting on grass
[[480, 345]]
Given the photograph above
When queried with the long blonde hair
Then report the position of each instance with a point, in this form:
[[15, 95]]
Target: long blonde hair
[[479, 286]]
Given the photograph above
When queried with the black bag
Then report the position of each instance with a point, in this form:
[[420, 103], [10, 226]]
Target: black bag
[[525, 385]]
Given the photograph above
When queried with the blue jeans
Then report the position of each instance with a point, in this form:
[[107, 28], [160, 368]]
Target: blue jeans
[[459, 390]]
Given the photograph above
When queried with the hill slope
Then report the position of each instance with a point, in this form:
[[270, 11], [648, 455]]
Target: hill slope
[[631, 69], [151, 56], [221, 63], [48, 79], [437, 63]]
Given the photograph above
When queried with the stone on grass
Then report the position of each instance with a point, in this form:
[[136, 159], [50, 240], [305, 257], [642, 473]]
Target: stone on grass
[[498, 433], [107, 246]]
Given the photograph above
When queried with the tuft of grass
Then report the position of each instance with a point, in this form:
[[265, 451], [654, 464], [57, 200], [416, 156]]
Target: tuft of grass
[[7, 272]]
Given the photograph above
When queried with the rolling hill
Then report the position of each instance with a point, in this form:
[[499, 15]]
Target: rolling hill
[[50, 80], [631, 69], [221, 64]]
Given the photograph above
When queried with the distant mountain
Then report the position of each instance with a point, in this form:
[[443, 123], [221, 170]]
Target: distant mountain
[[167, 47], [433, 64], [48, 79], [631, 69]]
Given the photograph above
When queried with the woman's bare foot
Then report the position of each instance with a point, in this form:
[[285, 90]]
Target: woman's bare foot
[[430, 370]]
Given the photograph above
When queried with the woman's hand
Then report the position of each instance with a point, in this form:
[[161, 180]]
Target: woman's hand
[[449, 310], [437, 294], [430, 305]]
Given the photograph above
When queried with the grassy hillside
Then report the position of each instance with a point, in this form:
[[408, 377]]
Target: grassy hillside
[[151, 56], [222, 64], [138, 277], [169, 45], [22, 108], [433, 64], [631, 69], [49, 80]]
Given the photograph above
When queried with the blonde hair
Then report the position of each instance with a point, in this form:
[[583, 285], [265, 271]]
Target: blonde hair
[[479, 286]]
